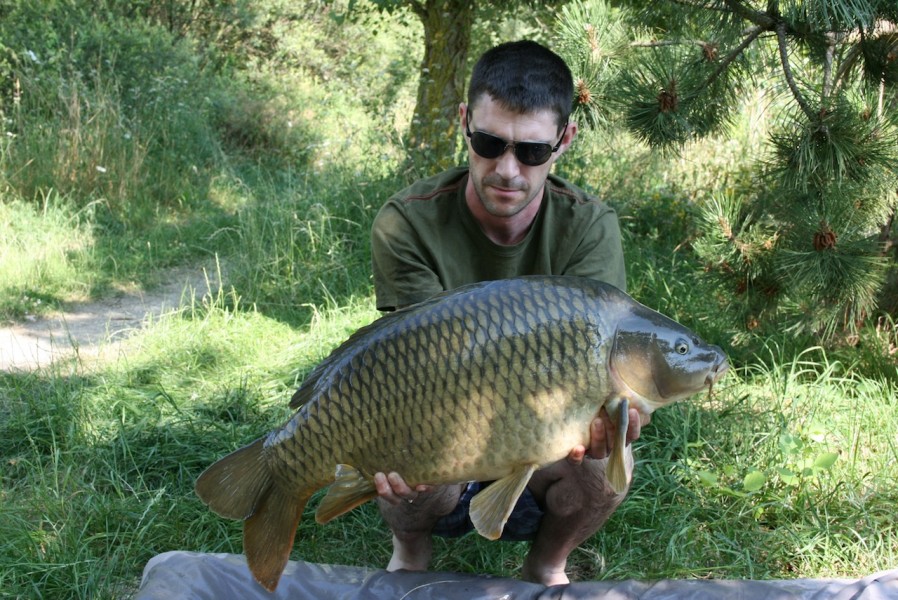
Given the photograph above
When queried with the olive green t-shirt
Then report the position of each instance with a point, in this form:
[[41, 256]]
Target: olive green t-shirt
[[425, 240]]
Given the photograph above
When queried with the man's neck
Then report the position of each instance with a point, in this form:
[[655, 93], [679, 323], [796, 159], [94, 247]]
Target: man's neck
[[505, 231]]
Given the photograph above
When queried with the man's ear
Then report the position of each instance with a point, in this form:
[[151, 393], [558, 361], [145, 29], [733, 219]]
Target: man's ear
[[569, 135]]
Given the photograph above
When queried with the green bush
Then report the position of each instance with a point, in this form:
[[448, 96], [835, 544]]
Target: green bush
[[778, 474], [109, 114]]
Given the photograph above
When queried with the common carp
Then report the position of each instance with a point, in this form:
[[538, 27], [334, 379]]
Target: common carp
[[487, 382]]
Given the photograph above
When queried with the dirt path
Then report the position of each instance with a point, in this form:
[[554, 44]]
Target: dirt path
[[96, 329]]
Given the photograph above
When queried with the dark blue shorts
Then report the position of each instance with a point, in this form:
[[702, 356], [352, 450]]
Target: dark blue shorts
[[521, 525]]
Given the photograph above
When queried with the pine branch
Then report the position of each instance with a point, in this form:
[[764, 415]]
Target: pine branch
[[848, 62], [761, 19], [828, 65], [885, 234], [753, 34], [699, 5], [659, 43], [787, 71]]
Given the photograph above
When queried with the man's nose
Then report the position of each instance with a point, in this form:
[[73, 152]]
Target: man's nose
[[507, 163]]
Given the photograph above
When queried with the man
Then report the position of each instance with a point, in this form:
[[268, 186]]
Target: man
[[503, 216]]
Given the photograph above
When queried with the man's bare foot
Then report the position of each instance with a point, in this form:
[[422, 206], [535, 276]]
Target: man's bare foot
[[543, 574], [411, 554]]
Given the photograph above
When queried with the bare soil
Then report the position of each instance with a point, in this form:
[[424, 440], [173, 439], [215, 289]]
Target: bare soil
[[95, 330]]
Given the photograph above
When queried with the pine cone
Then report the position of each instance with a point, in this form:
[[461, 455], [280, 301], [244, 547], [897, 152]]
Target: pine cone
[[583, 94], [668, 101], [825, 238]]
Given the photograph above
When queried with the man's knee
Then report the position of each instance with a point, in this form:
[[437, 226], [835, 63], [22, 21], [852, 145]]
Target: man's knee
[[584, 489], [421, 514]]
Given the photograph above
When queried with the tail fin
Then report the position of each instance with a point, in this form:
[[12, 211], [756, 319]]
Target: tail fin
[[236, 483], [268, 535], [240, 486]]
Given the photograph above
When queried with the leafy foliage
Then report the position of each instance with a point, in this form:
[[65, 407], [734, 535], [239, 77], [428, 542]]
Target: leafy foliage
[[592, 40], [803, 247], [778, 475]]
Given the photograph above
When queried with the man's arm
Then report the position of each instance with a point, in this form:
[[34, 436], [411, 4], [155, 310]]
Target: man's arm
[[402, 272], [600, 254]]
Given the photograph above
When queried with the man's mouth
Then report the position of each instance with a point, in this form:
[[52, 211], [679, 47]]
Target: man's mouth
[[503, 185]]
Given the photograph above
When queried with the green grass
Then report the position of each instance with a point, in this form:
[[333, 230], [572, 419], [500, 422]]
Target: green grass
[[788, 470], [98, 468], [44, 250], [780, 475]]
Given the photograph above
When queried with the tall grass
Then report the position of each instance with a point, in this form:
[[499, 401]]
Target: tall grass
[[90, 149], [310, 248], [102, 129], [165, 159], [788, 470], [44, 249]]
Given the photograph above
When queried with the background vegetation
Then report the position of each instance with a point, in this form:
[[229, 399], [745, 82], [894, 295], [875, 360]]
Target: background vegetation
[[807, 242], [267, 134]]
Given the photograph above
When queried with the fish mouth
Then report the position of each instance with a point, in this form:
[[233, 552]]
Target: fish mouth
[[716, 374]]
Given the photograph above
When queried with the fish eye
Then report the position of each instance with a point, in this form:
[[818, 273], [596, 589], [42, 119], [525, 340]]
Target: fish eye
[[682, 347]]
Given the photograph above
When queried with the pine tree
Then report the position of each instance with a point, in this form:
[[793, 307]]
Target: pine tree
[[811, 244]]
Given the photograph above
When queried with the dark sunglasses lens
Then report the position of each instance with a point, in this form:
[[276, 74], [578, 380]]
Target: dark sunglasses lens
[[486, 145], [529, 153], [532, 154]]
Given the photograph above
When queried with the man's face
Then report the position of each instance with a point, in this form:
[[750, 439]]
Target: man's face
[[504, 185]]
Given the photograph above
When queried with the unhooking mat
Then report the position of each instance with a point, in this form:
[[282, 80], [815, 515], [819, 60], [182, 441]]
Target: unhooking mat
[[195, 576]]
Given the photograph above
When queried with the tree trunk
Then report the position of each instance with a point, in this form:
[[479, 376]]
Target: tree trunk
[[433, 135]]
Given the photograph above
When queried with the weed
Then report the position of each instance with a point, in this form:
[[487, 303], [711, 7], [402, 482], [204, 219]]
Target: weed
[[789, 470]]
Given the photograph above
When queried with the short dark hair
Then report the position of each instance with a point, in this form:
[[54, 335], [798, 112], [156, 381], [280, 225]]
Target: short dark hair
[[524, 77]]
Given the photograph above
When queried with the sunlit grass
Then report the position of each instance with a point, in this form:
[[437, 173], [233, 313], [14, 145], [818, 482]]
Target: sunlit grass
[[788, 470], [98, 467], [44, 253]]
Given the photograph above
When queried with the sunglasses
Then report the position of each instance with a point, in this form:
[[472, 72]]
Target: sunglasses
[[531, 154]]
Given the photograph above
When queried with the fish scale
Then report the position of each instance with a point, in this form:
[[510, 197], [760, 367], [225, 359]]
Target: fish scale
[[488, 382], [495, 324]]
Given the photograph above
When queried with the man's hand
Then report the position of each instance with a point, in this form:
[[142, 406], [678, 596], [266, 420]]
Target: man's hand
[[602, 436], [395, 490]]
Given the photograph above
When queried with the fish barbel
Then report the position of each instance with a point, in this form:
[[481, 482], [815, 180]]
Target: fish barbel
[[487, 382]]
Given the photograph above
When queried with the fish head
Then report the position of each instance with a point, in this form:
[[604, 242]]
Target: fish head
[[655, 361]]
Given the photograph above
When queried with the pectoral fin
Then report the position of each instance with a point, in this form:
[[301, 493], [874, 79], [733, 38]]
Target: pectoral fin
[[349, 489], [617, 468], [491, 507]]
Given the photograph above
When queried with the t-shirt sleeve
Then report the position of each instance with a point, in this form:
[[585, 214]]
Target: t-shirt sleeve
[[403, 273], [600, 254]]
